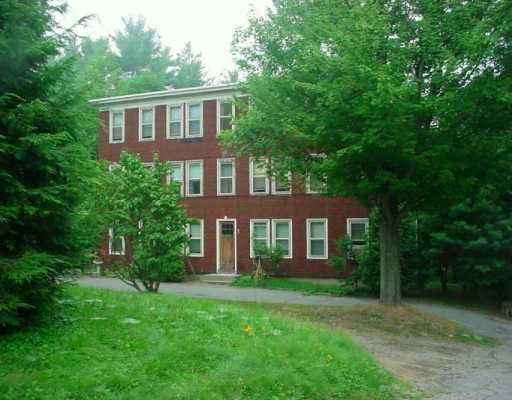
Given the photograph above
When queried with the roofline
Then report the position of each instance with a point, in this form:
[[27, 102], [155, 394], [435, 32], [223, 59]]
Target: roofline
[[163, 94]]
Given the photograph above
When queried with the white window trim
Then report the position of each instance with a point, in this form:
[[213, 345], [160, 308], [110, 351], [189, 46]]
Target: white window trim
[[224, 100], [251, 176], [187, 119], [152, 138], [290, 238], [308, 242], [187, 186], [365, 221], [201, 223], [110, 124], [219, 162], [168, 177], [275, 192], [251, 223], [110, 239], [168, 121]]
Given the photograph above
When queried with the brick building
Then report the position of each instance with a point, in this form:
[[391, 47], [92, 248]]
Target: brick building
[[234, 201]]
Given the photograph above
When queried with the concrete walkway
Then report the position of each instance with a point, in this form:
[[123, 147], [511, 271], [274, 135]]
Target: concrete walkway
[[226, 292], [479, 323]]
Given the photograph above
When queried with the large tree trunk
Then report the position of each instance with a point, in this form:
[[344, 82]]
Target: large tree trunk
[[389, 235]]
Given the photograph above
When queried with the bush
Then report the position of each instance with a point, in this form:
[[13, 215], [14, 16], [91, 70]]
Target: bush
[[149, 215], [267, 262]]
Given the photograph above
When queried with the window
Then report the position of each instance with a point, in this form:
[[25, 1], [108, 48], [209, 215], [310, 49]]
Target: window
[[195, 231], [282, 235], [195, 178], [260, 235], [113, 166], [174, 118], [176, 174], [316, 232], [282, 184], [314, 185], [116, 127], [194, 128], [225, 177], [226, 112], [116, 245], [357, 229], [258, 176], [146, 128]]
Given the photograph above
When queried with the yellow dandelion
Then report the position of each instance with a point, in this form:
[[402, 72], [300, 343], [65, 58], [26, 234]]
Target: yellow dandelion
[[248, 329]]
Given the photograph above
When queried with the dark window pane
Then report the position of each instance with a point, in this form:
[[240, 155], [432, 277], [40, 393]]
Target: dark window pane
[[317, 248]]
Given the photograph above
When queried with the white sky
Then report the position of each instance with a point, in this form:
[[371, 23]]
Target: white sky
[[208, 24]]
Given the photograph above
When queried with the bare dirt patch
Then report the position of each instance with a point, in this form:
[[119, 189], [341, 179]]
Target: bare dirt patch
[[430, 353]]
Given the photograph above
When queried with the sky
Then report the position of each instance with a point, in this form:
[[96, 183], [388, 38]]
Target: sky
[[208, 24]]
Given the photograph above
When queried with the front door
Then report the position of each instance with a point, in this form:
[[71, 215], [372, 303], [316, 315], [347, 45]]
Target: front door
[[227, 247]]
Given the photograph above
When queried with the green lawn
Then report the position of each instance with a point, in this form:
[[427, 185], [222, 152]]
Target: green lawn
[[291, 284], [114, 345]]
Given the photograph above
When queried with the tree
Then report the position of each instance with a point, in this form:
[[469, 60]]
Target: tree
[[189, 70], [144, 62], [96, 67], [378, 87], [149, 215], [140, 48], [44, 163], [472, 241], [230, 76]]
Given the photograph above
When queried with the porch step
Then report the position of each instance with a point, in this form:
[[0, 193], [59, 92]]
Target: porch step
[[222, 279]]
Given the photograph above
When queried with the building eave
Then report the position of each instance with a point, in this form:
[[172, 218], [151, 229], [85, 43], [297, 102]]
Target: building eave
[[164, 94]]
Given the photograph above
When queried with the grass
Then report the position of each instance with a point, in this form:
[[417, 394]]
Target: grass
[[291, 284], [402, 321], [116, 345]]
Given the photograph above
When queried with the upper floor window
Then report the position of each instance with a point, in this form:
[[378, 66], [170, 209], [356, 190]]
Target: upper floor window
[[317, 237], [226, 177], [259, 181], [176, 174], [225, 114], [357, 229], [175, 118], [116, 127], [195, 178], [147, 123], [194, 120], [282, 184], [196, 232], [314, 185]]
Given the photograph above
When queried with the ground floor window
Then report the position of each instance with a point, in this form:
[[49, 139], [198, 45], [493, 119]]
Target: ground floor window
[[357, 229], [196, 233], [282, 235], [260, 236], [317, 237], [116, 243]]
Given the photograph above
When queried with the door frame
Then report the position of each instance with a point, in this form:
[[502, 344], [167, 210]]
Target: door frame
[[217, 240]]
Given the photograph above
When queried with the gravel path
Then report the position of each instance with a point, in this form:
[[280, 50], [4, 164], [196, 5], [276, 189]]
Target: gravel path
[[453, 371]]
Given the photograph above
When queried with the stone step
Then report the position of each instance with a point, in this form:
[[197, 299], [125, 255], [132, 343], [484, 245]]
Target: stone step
[[222, 279]]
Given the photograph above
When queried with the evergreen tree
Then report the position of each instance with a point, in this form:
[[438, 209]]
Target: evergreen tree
[[44, 164], [189, 70]]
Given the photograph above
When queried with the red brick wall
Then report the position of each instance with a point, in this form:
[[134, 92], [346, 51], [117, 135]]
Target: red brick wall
[[243, 206]]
